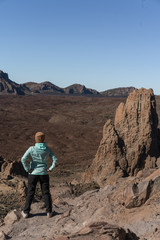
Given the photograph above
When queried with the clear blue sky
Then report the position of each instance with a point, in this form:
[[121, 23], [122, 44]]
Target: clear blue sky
[[102, 44]]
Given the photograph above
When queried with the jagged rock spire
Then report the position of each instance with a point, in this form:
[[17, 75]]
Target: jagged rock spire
[[131, 143]]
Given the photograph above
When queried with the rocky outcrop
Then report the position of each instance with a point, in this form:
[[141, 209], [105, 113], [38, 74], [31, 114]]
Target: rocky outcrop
[[9, 168], [137, 124], [9, 87], [89, 216], [110, 161], [127, 209], [137, 193], [105, 213], [129, 144]]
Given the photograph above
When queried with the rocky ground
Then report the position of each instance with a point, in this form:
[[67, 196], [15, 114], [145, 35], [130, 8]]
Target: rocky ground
[[127, 208], [72, 126], [114, 212]]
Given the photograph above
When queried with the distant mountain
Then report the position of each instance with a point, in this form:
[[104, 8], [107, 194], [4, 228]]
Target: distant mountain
[[79, 90], [44, 87], [118, 92], [7, 86]]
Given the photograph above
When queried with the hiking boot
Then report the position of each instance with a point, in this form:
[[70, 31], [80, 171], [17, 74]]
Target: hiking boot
[[49, 214], [24, 215]]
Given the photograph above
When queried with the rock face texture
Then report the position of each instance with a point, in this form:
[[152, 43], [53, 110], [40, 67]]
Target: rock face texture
[[137, 124], [125, 210], [101, 231], [129, 144]]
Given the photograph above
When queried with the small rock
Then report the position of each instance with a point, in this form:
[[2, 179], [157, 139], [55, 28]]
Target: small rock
[[12, 217], [136, 194]]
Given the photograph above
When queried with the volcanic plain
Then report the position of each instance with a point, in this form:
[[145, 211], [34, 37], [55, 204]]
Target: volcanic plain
[[72, 124]]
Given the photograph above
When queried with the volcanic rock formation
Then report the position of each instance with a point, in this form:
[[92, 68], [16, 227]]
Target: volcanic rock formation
[[131, 143], [128, 209], [8, 86]]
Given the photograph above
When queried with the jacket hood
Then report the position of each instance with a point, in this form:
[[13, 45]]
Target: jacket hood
[[42, 146]]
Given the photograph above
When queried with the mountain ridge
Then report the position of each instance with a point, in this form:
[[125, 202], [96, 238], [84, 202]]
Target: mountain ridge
[[121, 91], [7, 86]]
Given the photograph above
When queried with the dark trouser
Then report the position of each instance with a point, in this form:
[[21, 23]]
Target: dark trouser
[[44, 182]]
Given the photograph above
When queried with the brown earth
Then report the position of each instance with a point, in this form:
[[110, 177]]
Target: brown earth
[[73, 126], [86, 116]]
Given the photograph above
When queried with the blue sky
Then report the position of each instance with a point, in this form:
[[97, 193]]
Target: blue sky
[[102, 44]]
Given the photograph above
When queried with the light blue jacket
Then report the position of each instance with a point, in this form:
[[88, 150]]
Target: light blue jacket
[[39, 155]]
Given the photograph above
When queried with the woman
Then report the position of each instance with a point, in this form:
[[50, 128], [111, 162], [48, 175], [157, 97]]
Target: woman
[[37, 171]]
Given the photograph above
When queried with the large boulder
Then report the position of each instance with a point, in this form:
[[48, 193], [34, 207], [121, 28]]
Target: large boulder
[[136, 123], [129, 144], [137, 194]]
